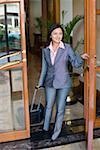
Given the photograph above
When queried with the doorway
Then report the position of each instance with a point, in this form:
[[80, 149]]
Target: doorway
[[87, 40], [78, 42]]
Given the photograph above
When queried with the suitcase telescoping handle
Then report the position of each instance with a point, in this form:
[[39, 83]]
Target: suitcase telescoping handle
[[33, 99]]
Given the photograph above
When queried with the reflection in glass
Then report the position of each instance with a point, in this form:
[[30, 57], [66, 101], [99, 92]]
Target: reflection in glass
[[98, 41], [10, 41], [11, 101], [98, 94]]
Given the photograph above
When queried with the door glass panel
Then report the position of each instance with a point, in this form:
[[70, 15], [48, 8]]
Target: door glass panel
[[10, 39], [11, 100], [98, 41], [98, 4], [76, 95], [98, 94]]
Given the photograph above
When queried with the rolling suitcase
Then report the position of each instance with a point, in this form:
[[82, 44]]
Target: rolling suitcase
[[36, 110]]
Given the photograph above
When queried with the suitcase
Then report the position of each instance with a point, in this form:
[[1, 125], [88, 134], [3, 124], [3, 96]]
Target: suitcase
[[36, 111]]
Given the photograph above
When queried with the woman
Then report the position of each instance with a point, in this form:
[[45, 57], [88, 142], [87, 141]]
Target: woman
[[55, 76]]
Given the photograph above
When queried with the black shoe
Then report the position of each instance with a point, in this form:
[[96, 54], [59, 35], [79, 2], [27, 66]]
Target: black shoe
[[44, 131], [51, 140], [46, 134]]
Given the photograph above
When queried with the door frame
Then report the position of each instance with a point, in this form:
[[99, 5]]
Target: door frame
[[22, 134], [91, 121]]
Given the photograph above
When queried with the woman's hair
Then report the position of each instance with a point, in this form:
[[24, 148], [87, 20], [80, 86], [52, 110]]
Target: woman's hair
[[53, 27]]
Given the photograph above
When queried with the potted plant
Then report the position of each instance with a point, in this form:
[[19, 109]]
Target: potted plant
[[68, 29], [38, 24]]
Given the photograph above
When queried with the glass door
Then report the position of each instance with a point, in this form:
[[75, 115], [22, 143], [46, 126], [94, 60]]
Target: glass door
[[92, 69], [14, 113], [97, 64]]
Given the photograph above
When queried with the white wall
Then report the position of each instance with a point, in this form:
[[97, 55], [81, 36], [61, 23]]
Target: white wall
[[66, 5], [13, 8], [78, 34], [78, 9]]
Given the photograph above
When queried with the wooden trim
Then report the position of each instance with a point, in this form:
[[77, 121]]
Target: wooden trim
[[25, 84], [97, 69], [98, 12], [9, 1], [92, 74], [97, 123], [44, 17], [86, 74], [16, 135], [56, 7], [13, 135], [20, 64], [9, 55]]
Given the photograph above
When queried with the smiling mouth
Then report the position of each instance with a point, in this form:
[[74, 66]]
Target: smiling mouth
[[58, 39]]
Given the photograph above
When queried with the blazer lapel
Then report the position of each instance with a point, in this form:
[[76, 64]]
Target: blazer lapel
[[48, 55], [59, 53]]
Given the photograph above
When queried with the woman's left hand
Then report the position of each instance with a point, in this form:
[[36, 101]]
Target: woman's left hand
[[85, 56]]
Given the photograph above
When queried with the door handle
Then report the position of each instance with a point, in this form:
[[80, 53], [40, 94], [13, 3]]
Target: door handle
[[10, 55], [9, 64]]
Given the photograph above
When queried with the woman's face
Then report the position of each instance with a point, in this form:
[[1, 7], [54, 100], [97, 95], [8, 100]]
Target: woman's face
[[57, 35]]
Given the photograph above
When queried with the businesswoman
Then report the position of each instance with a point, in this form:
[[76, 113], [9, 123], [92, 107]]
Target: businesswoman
[[55, 76]]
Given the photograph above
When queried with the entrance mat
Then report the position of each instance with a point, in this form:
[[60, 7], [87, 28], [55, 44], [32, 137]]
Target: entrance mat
[[72, 131], [64, 138]]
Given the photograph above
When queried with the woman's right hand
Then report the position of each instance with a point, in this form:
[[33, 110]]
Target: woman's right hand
[[85, 56]]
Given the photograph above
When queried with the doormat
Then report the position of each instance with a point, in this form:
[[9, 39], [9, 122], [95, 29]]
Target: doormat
[[72, 131], [67, 136]]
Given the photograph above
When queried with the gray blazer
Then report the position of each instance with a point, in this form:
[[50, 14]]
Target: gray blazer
[[57, 75]]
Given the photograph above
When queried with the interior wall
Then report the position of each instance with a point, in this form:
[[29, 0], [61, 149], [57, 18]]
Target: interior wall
[[78, 34], [35, 11], [73, 8], [67, 6]]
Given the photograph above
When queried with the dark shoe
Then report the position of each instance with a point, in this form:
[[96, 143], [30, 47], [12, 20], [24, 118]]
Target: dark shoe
[[46, 134], [44, 131], [51, 140]]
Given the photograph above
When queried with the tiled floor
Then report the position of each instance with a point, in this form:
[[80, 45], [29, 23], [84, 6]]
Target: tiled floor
[[77, 146]]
